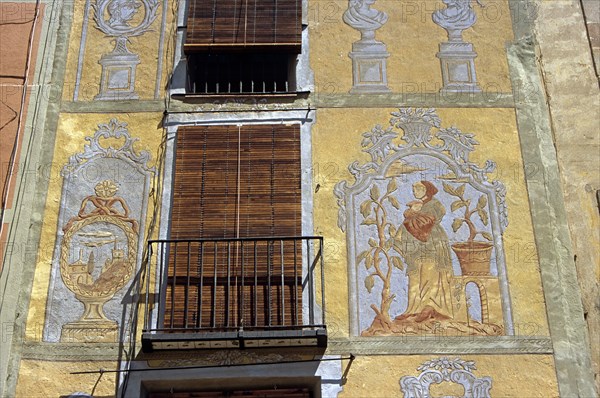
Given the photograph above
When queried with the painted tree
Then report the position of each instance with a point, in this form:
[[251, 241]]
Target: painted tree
[[461, 202], [384, 252]]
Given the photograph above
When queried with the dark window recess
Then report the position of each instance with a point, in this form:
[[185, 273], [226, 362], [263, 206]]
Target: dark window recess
[[274, 393], [241, 73]]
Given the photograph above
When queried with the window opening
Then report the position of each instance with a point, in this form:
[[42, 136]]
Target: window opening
[[262, 393], [242, 46], [226, 73], [234, 183]]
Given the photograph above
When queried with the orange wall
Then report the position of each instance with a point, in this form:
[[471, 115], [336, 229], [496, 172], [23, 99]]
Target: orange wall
[[16, 23]]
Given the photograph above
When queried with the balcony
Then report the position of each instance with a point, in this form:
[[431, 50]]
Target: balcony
[[234, 293]]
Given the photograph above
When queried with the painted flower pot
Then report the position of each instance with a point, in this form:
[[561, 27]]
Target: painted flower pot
[[474, 257]]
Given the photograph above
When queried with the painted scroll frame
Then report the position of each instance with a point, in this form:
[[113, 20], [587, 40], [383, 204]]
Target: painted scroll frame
[[445, 370], [84, 173], [449, 164]]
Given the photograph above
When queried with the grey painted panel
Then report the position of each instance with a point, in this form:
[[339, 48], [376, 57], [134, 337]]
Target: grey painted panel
[[98, 228]]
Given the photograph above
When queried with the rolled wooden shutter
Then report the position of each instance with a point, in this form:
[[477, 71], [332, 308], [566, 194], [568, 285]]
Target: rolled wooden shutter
[[235, 24], [204, 196], [236, 182], [206, 182]]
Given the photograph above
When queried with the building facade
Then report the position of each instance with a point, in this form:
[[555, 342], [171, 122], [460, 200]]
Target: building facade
[[299, 198]]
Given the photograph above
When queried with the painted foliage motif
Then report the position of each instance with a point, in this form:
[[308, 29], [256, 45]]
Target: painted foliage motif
[[446, 371], [103, 205], [424, 231]]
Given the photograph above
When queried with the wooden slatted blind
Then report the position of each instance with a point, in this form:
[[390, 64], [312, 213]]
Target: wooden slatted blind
[[205, 195], [236, 182], [235, 24]]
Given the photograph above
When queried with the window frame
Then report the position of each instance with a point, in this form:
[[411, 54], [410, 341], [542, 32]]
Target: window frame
[[222, 377], [314, 316], [277, 218], [302, 74]]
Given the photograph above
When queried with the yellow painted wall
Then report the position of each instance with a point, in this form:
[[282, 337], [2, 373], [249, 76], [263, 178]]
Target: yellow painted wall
[[97, 44], [336, 144], [512, 375], [52, 379], [412, 39]]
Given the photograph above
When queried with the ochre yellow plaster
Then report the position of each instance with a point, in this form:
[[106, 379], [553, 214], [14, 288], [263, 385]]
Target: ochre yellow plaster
[[526, 376], [496, 131], [70, 139], [52, 379], [97, 44], [412, 38], [336, 144]]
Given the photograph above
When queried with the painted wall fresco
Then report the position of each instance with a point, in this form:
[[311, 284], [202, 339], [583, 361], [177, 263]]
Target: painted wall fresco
[[444, 370], [424, 233], [498, 376], [369, 65], [410, 43], [426, 178], [102, 217], [118, 50], [114, 19], [457, 56], [369, 56]]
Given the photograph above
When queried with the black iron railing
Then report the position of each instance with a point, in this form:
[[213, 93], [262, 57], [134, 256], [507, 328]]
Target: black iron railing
[[220, 285]]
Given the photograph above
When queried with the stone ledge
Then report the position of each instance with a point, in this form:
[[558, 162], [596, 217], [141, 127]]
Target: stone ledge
[[127, 106], [71, 351], [440, 345], [483, 99]]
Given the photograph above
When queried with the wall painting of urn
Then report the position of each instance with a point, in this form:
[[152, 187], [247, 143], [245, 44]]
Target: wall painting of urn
[[100, 238], [103, 239], [121, 20]]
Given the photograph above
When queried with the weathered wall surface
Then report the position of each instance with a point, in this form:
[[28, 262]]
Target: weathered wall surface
[[71, 134], [115, 150], [44, 379], [591, 12], [377, 376], [348, 136], [490, 127], [496, 122], [24, 82], [574, 101]]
